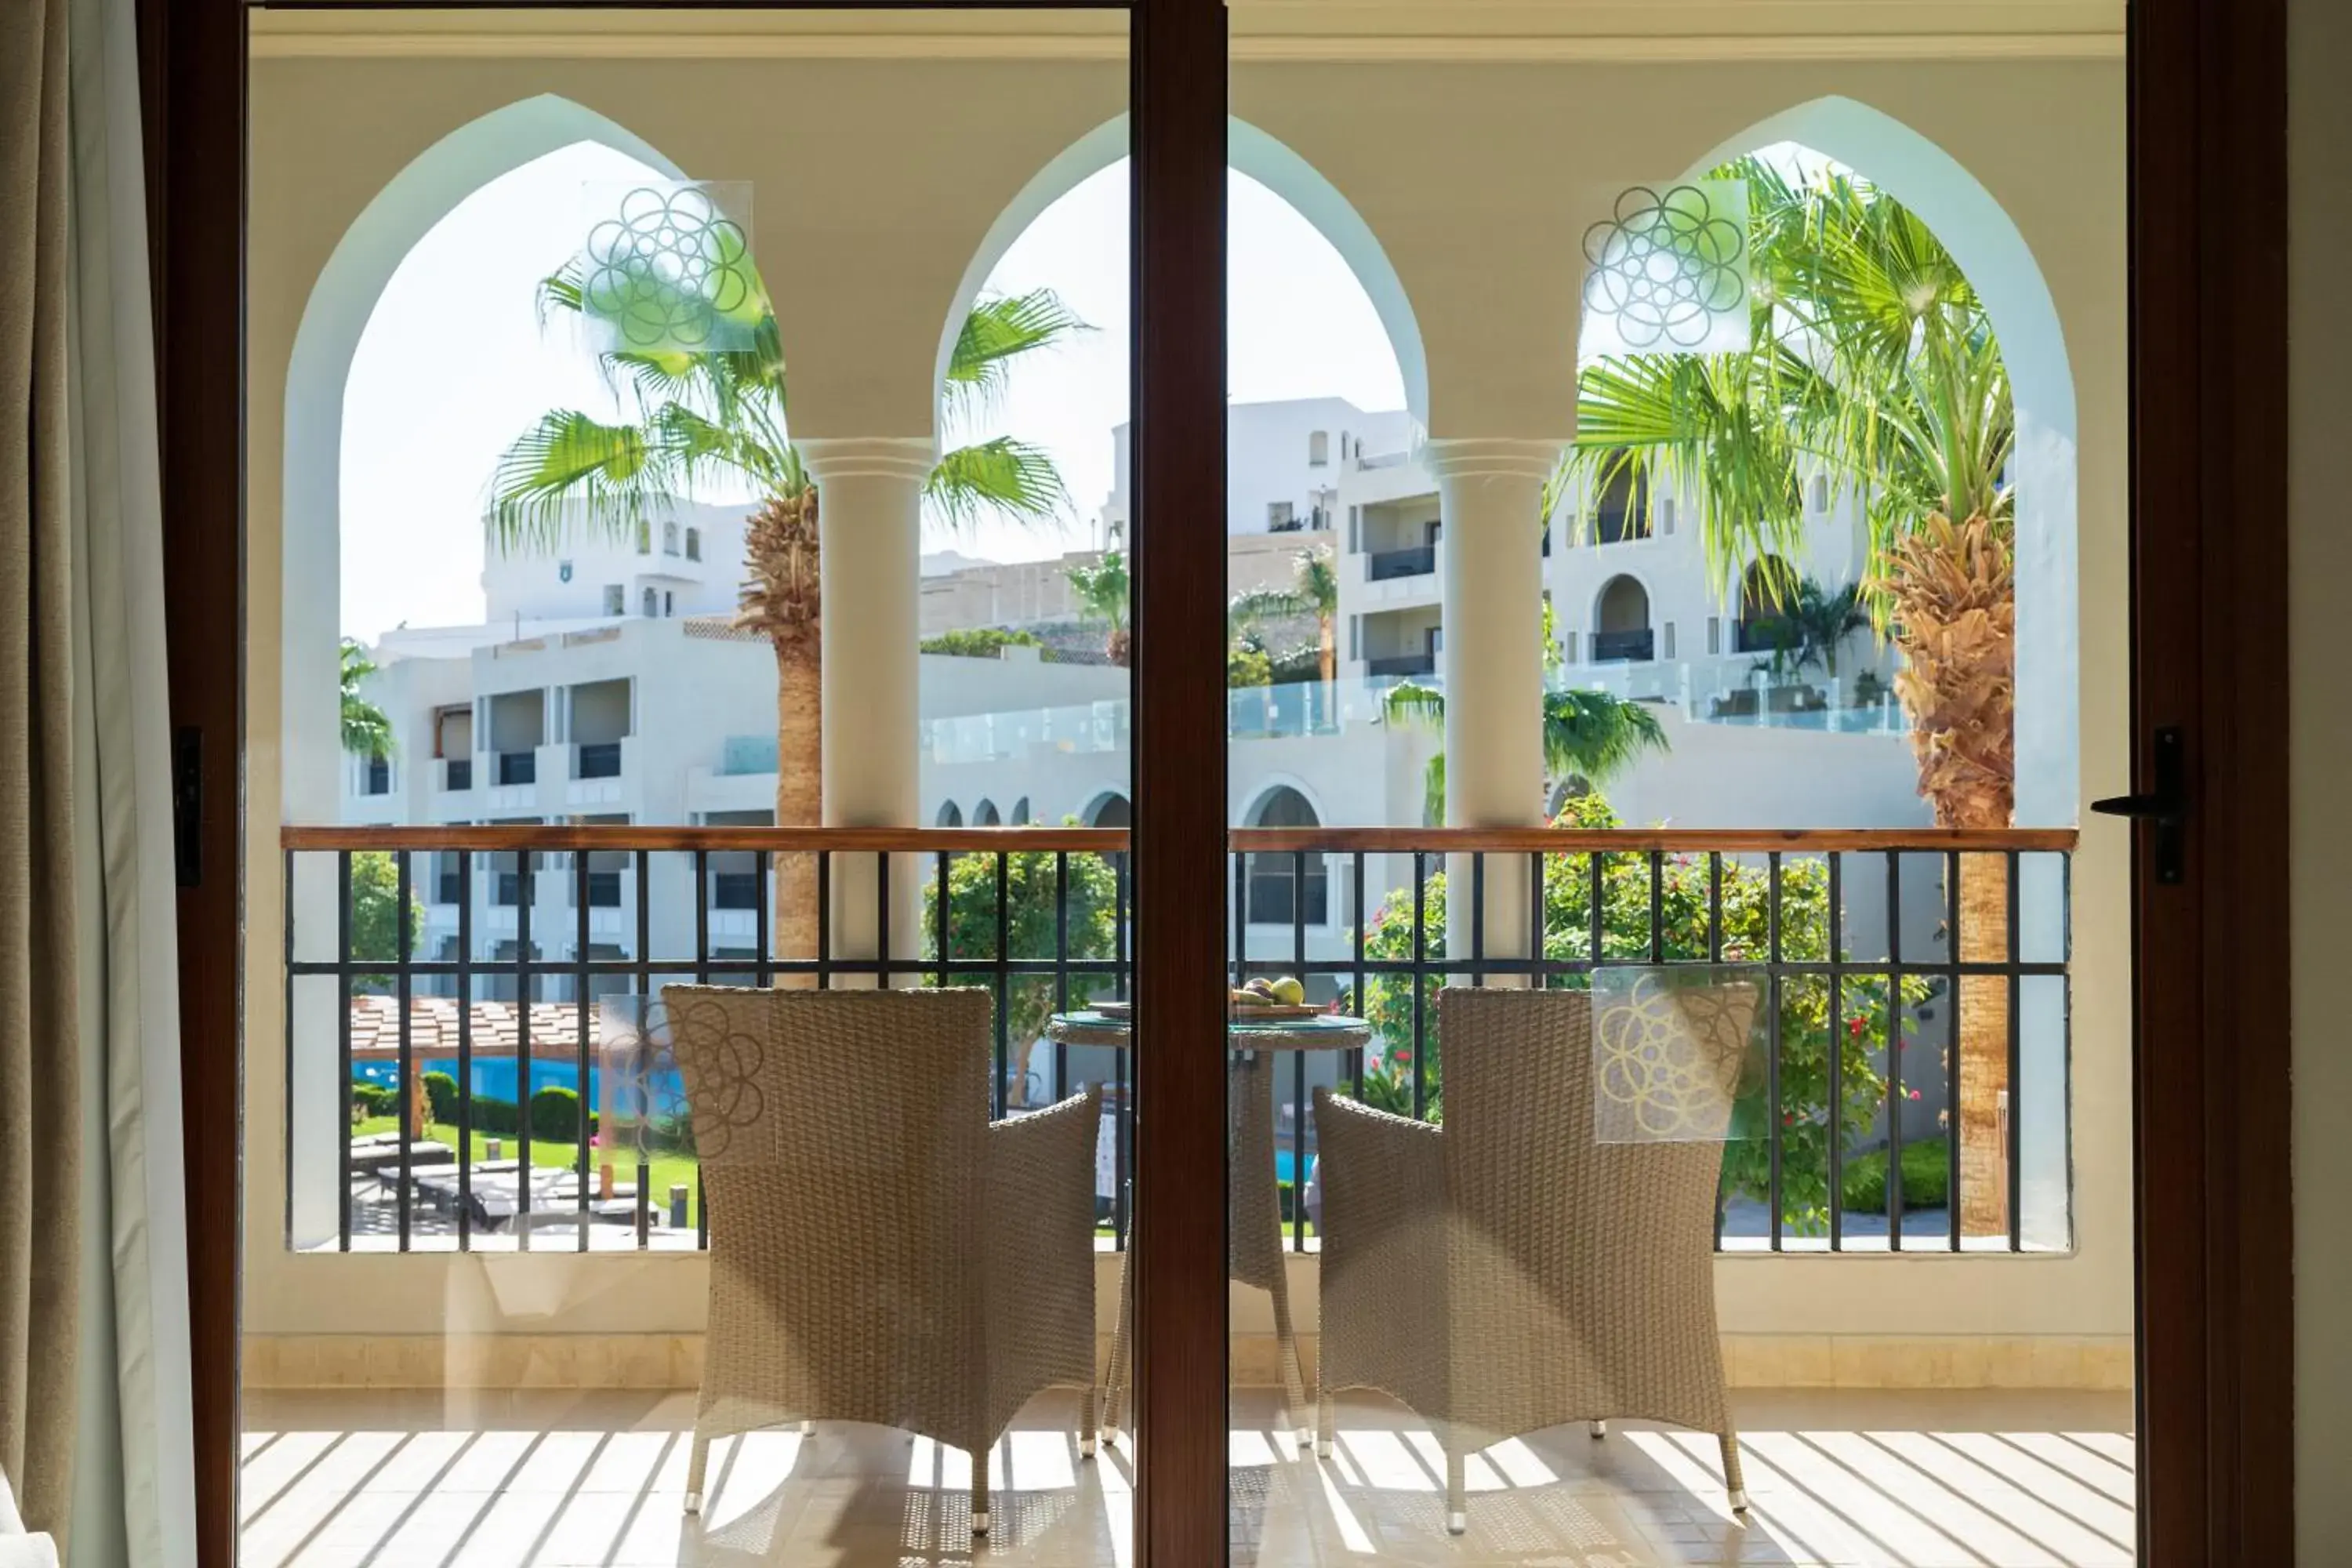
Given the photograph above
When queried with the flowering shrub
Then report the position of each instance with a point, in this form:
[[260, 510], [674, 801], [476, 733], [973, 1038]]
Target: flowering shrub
[[1860, 1035]]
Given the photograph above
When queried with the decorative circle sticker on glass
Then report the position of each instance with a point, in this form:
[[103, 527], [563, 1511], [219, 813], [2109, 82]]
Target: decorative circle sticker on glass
[[1666, 271], [667, 266]]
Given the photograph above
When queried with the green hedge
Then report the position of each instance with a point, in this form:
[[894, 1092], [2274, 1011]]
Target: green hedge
[[554, 1111], [1927, 1178]]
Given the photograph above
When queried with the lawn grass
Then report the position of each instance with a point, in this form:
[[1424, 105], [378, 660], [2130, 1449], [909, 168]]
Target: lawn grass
[[665, 1170]]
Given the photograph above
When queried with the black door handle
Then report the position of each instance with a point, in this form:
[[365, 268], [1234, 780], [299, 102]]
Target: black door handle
[[2165, 808]]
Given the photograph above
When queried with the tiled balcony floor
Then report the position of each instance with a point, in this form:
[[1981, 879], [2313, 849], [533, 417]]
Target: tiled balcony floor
[[1970, 1480]]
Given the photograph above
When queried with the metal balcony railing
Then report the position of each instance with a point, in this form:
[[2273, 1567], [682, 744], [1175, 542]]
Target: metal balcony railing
[[1858, 1021], [1402, 664], [1418, 562], [1634, 646]]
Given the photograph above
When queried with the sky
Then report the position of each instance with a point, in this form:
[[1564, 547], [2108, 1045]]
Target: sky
[[454, 364]]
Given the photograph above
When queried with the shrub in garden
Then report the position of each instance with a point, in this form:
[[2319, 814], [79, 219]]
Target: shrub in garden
[[441, 1097], [555, 1114], [1807, 1031]]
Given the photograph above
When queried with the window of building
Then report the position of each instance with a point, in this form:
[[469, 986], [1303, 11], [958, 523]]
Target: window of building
[[652, 603], [984, 814], [1764, 591], [1714, 636], [616, 599], [1355, 530], [669, 603], [564, 571], [669, 539], [1277, 894], [1318, 449], [645, 538], [950, 816], [1280, 517], [1666, 514], [694, 545], [1821, 492], [375, 776], [1666, 640]]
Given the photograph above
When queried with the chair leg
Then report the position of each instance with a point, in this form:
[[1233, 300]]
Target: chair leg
[[1457, 1501], [1294, 1370], [1121, 1343], [1732, 1478], [1601, 1428], [697, 1461], [1327, 1422], [980, 1490], [1087, 1428]]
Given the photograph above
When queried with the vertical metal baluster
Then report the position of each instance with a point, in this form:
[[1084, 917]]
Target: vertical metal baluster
[[2016, 1055], [1061, 965], [882, 927], [944, 865], [466, 1050], [1774, 1126], [343, 1031], [1835, 1154], [1894, 1053], [1657, 906], [1952, 1046], [1299, 1059], [404, 937], [763, 942], [1003, 1094], [645, 1053], [824, 919], [1715, 906], [1362, 1003], [1598, 935], [702, 977], [1420, 985], [1477, 917], [1537, 979], [526, 885], [1122, 1125], [581, 1164]]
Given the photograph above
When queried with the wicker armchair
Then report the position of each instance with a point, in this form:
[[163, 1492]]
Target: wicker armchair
[[879, 1250], [1506, 1272]]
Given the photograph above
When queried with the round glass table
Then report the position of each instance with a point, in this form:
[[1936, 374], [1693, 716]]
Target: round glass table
[[1254, 1197]]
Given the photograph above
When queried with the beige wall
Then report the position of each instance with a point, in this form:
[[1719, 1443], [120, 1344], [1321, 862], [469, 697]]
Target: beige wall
[[2319, 418], [877, 182]]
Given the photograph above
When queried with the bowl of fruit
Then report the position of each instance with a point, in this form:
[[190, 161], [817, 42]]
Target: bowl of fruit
[[1282, 997]]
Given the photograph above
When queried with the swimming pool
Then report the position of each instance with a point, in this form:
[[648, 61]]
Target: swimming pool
[[495, 1077]]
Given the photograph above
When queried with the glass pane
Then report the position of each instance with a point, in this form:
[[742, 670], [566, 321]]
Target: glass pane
[[1599, 402], [657, 1167]]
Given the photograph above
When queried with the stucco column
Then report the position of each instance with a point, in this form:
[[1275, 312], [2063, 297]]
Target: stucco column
[[1491, 594], [869, 521]]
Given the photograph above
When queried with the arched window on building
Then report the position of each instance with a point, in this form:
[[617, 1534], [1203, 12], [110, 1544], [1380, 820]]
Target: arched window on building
[[950, 816], [984, 814], [1620, 620], [1020, 818], [1276, 894], [1318, 449], [1111, 811]]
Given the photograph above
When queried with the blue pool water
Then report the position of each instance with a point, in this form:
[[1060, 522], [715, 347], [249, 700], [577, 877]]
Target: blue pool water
[[494, 1079]]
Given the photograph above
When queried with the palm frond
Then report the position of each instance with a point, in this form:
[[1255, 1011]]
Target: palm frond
[[1001, 477], [571, 466], [996, 333], [1410, 702], [1596, 735]]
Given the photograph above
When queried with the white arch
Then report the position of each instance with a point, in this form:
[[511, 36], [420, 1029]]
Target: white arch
[[1275, 785], [1600, 597], [1270, 163], [341, 302], [1092, 816], [1984, 240]]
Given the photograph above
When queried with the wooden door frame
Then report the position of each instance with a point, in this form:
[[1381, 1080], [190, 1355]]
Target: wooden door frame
[[2208, 377], [2209, 572]]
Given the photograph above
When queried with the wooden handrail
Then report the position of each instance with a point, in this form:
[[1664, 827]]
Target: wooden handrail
[[1255, 840]]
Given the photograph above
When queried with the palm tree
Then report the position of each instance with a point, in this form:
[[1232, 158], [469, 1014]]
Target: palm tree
[[1102, 591], [1813, 625], [1313, 591], [718, 416], [1591, 735], [1873, 361], [367, 732]]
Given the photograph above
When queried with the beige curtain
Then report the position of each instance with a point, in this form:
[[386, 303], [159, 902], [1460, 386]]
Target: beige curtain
[[40, 1109], [94, 1373]]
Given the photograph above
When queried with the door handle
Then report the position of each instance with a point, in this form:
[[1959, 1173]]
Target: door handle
[[2165, 808]]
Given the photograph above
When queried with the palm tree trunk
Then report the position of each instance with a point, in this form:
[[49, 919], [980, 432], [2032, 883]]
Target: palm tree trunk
[[1956, 616], [799, 797], [1327, 658]]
